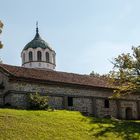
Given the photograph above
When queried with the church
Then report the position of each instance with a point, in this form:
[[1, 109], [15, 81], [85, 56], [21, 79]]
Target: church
[[84, 93]]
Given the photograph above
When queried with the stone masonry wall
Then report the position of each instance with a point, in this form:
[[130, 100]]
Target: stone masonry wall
[[59, 90], [102, 111], [56, 102], [16, 100], [82, 105], [128, 104], [4, 80], [84, 100]]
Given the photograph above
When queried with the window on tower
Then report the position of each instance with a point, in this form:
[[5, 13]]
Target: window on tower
[[53, 58], [39, 56], [23, 57], [47, 57], [30, 56]]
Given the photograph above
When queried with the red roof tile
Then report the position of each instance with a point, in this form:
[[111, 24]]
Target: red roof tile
[[55, 76]]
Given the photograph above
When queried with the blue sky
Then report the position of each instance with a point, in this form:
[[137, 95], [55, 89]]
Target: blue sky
[[86, 34]]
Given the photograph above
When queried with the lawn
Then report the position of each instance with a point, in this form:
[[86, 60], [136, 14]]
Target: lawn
[[63, 125]]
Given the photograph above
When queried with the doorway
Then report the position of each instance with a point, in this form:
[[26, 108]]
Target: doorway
[[128, 113]]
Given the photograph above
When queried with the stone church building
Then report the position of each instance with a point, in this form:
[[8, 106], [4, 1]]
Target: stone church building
[[84, 93]]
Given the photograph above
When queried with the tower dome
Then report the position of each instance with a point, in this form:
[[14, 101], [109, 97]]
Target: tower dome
[[38, 54]]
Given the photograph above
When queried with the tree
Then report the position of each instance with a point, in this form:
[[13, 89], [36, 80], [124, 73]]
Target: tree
[[94, 74], [126, 73], [1, 26], [38, 102]]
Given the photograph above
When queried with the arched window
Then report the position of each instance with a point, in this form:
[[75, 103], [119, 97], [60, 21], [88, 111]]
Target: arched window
[[30, 56], [23, 57], [47, 57], [39, 56], [53, 59], [106, 103]]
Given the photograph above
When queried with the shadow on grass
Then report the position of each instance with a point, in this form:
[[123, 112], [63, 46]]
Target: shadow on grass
[[127, 130]]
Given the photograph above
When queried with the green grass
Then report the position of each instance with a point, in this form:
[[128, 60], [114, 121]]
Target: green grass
[[63, 125]]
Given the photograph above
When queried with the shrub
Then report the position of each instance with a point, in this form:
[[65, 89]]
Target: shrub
[[38, 102]]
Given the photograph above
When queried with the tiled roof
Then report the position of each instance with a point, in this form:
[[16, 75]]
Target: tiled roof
[[55, 76]]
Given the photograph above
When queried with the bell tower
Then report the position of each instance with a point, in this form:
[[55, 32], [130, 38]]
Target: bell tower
[[38, 54]]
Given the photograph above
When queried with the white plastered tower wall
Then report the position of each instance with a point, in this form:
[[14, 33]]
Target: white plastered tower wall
[[38, 64], [35, 46]]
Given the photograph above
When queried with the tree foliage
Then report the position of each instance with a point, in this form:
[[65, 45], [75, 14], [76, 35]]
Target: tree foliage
[[126, 73], [38, 102], [95, 74], [1, 26]]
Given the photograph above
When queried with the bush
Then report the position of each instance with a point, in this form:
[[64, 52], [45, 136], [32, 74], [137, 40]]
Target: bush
[[38, 102]]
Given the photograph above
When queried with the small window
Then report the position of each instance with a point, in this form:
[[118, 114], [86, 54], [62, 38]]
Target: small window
[[70, 101], [39, 56], [106, 103], [47, 57], [30, 56]]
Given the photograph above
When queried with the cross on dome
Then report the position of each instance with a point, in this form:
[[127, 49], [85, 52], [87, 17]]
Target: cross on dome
[[37, 27]]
